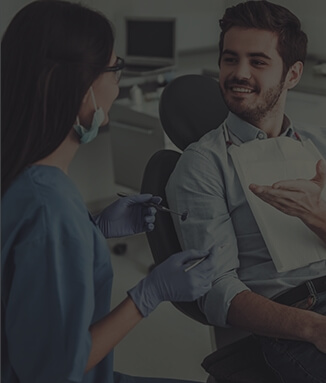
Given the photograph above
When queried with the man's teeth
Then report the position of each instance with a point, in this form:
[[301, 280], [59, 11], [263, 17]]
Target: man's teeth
[[241, 90]]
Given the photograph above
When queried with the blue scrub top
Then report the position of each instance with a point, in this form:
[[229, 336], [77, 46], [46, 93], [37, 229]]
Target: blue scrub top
[[56, 281]]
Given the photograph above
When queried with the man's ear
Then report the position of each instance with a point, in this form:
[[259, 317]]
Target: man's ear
[[294, 75]]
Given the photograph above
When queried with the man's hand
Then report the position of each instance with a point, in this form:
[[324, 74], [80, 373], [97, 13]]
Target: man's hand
[[299, 198]]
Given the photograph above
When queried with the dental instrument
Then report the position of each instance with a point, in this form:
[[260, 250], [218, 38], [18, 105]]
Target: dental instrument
[[159, 207], [200, 260]]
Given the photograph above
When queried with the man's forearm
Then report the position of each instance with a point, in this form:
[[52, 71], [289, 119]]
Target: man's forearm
[[257, 314]]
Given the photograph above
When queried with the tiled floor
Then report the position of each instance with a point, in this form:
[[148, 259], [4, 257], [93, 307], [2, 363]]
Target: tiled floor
[[167, 343]]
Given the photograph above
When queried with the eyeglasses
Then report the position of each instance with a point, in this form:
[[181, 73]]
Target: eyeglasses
[[117, 68]]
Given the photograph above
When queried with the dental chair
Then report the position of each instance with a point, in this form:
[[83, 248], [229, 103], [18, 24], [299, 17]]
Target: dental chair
[[190, 106]]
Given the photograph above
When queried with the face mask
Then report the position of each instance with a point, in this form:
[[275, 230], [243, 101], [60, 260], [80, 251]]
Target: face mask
[[88, 135]]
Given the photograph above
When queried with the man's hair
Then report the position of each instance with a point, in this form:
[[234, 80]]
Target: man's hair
[[292, 41], [52, 51]]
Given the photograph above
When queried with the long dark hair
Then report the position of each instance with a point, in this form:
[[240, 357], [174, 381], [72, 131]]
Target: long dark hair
[[52, 51], [292, 41]]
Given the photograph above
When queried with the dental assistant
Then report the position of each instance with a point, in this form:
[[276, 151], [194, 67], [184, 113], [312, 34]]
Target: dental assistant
[[59, 79]]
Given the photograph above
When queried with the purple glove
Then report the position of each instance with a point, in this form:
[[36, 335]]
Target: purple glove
[[127, 216], [170, 281]]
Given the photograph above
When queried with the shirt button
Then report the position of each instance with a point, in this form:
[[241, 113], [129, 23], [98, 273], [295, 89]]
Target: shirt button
[[261, 135]]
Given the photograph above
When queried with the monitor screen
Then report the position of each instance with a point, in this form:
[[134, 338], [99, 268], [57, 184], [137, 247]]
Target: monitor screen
[[150, 38]]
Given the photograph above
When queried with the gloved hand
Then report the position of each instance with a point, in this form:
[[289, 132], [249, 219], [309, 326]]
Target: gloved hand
[[127, 216], [170, 282]]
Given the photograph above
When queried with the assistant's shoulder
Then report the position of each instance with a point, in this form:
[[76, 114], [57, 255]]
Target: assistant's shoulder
[[52, 187], [39, 201], [44, 186]]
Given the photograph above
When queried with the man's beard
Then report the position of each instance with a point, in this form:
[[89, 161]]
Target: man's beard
[[253, 113]]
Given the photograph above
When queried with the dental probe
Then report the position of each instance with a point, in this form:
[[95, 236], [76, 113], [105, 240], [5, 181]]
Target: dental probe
[[159, 207], [200, 260]]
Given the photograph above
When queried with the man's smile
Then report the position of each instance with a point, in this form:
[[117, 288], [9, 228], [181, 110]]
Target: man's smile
[[238, 89]]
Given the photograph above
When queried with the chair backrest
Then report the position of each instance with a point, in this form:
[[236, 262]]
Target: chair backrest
[[190, 106]]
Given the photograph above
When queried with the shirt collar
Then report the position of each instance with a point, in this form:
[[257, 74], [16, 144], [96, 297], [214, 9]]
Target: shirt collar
[[247, 132]]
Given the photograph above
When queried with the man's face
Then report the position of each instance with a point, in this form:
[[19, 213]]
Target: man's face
[[251, 73]]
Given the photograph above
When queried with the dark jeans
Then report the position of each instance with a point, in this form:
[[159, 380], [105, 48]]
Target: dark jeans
[[296, 361]]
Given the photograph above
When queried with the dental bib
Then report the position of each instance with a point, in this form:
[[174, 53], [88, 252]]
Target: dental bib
[[290, 242]]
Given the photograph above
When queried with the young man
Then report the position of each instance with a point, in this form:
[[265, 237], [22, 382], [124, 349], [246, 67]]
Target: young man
[[263, 287]]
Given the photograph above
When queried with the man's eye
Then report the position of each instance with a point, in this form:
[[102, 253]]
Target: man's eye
[[258, 62]]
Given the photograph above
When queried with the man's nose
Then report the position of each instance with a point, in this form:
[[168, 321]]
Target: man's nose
[[242, 70]]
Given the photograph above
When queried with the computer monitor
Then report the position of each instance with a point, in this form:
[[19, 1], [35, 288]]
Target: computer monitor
[[150, 43]]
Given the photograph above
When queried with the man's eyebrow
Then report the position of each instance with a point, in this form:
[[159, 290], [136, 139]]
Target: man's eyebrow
[[259, 54], [252, 54]]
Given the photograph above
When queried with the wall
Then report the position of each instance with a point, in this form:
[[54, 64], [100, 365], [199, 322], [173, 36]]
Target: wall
[[7, 11]]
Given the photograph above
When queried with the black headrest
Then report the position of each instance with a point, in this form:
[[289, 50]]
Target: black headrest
[[190, 106]]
